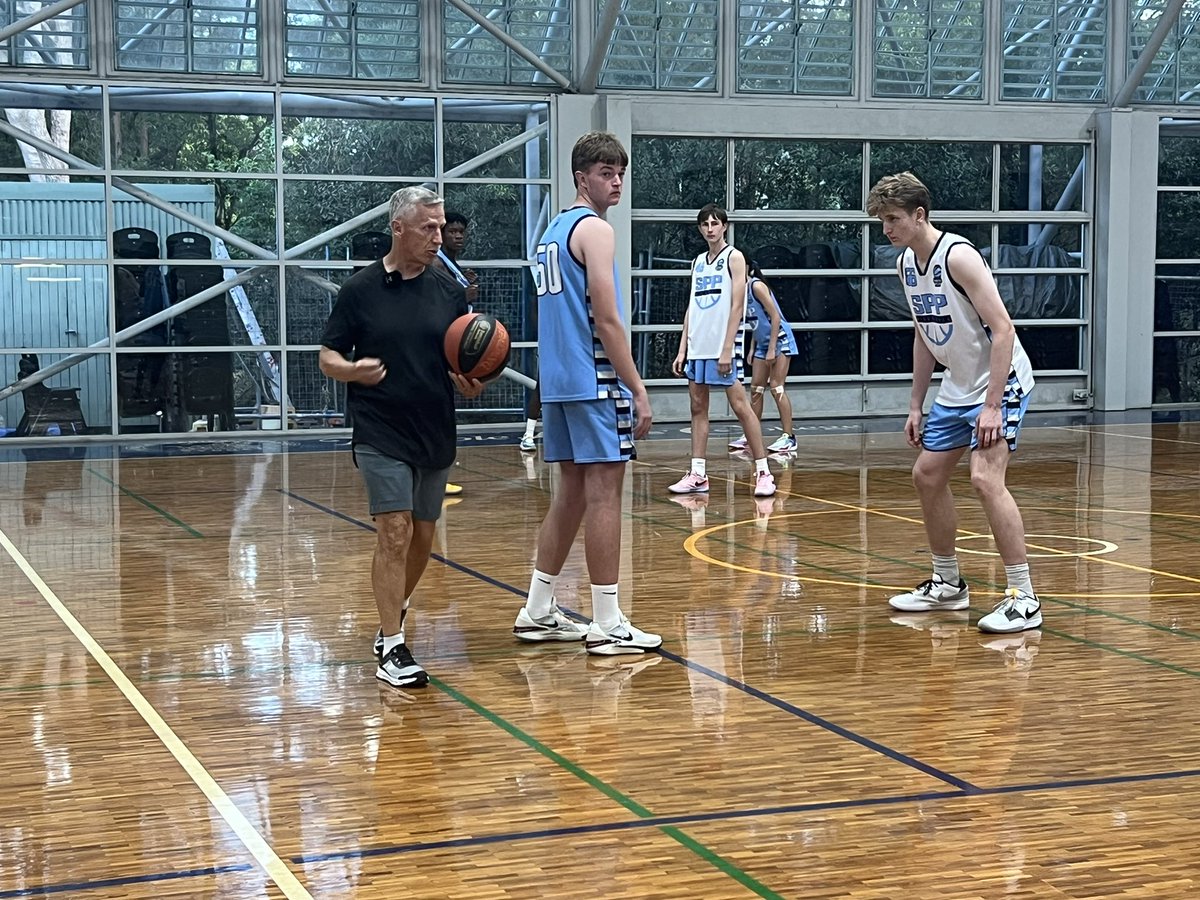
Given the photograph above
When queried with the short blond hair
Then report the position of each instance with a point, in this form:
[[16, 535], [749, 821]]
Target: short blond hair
[[903, 190]]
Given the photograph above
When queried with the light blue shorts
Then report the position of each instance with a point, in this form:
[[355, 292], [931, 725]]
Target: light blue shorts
[[785, 345], [952, 427], [588, 431], [704, 371]]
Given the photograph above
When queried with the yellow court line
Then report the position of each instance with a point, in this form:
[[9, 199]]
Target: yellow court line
[[254, 842], [690, 542], [1053, 551], [689, 545]]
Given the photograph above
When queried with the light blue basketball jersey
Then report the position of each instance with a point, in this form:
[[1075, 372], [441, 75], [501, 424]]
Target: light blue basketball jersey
[[572, 364], [758, 323]]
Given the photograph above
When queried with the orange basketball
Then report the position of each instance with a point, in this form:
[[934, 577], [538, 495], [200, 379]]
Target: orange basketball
[[477, 346]]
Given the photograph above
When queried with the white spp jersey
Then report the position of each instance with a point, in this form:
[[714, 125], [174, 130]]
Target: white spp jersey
[[708, 312], [952, 329]]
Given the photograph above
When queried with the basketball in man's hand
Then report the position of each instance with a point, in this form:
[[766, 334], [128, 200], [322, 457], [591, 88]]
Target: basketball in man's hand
[[477, 346]]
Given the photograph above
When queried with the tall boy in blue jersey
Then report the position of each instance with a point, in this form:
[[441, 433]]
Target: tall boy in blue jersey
[[711, 347], [593, 405], [960, 321]]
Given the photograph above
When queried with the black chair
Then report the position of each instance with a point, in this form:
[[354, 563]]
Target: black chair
[[48, 410]]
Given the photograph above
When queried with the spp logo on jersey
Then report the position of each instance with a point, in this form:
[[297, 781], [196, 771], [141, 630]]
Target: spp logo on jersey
[[928, 311], [708, 290]]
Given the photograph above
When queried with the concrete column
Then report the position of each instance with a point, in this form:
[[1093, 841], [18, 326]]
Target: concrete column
[[1126, 224]]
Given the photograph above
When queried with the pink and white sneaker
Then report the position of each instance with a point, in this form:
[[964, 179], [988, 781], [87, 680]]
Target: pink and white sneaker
[[739, 444], [691, 483], [764, 484]]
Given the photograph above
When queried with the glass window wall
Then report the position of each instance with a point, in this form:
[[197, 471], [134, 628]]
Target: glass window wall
[[177, 277], [797, 208]]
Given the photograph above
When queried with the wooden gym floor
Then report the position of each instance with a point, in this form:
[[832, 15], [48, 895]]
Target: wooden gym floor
[[188, 707]]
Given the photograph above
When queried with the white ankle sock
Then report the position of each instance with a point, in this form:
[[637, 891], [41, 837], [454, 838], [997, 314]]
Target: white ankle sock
[[699, 466], [541, 592], [606, 610], [760, 466], [947, 567], [390, 642], [1019, 578], [530, 425]]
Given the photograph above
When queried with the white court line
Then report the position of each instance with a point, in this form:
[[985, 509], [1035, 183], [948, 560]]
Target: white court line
[[1103, 431], [255, 843]]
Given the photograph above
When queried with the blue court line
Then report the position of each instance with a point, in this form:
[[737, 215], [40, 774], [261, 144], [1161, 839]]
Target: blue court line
[[606, 827], [735, 814], [130, 879], [811, 718]]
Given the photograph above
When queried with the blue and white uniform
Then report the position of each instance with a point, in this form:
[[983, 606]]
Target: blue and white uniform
[[758, 323], [952, 329], [708, 320], [587, 413]]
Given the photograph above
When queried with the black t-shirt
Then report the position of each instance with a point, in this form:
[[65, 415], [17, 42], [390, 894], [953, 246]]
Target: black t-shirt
[[409, 415]]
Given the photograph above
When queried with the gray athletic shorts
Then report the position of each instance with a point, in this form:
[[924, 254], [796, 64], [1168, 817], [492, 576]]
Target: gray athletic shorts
[[395, 486]]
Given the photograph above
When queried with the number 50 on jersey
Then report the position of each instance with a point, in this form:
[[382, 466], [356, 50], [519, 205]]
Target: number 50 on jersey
[[546, 272]]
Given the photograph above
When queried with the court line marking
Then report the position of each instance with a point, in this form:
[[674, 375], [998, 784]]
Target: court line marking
[[266, 857], [854, 507], [146, 503], [690, 546], [1062, 599], [718, 817], [1105, 546], [709, 856], [755, 813], [1090, 429], [811, 718], [129, 879]]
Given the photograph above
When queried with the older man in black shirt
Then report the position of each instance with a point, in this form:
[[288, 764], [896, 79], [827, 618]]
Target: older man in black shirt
[[390, 319]]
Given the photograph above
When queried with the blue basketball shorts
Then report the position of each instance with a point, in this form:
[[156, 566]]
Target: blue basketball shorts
[[785, 345], [953, 427], [704, 371], [588, 431]]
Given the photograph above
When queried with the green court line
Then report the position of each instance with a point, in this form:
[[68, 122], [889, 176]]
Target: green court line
[[146, 503], [714, 859], [1130, 654]]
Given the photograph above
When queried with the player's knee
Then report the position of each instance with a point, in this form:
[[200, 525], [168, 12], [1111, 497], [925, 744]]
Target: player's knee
[[395, 533], [758, 391], [778, 391], [987, 483]]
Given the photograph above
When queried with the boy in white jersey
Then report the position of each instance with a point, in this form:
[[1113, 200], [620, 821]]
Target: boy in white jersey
[[960, 321], [710, 347]]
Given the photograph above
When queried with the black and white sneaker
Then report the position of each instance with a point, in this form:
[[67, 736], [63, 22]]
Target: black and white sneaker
[[622, 638], [378, 646], [1016, 611], [554, 626], [399, 669]]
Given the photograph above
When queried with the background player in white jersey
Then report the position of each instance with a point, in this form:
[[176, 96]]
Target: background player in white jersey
[[773, 347], [594, 405], [960, 321], [711, 347]]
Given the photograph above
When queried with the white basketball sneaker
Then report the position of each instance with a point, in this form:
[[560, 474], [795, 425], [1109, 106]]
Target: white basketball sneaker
[[933, 594]]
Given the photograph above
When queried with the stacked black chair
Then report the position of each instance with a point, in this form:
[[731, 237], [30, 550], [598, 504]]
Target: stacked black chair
[[205, 379], [139, 292]]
